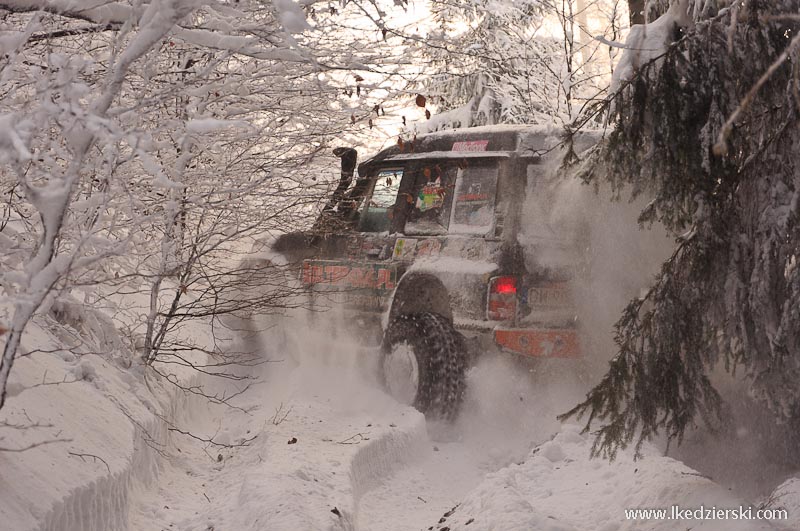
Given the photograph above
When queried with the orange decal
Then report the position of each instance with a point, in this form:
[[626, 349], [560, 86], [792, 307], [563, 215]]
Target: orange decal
[[541, 343], [368, 276]]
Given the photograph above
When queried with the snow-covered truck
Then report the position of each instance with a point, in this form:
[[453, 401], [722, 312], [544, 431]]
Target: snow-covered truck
[[423, 246]]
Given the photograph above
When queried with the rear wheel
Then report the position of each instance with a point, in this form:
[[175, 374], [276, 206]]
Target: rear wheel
[[425, 363]]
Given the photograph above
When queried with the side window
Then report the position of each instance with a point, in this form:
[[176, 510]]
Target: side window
[[376, 212], [476, 188], [431, 200]]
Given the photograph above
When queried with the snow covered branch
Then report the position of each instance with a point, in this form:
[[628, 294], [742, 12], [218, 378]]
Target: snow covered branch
[[100, 12], [729, 295], [147, 145]]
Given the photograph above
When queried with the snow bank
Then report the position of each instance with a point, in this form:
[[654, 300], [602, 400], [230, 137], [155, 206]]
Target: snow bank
[[89, 426], [787, 496], [559, 488], [80, 475], [350, 436]]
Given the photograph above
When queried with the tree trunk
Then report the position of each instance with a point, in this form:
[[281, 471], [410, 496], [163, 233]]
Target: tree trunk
[[636, 9]]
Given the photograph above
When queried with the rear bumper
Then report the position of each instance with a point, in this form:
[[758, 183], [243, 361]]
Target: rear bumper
[[539, 343]]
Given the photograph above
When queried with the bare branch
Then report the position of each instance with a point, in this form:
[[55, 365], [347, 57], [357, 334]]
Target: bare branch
[[94, 457]]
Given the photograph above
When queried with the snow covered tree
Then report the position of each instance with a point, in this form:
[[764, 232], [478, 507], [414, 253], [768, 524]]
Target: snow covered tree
[[146, 145], [705, 120], [489, 59], [517, 62]]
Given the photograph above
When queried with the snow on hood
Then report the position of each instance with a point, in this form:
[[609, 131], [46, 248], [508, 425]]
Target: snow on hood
[[559, 488]]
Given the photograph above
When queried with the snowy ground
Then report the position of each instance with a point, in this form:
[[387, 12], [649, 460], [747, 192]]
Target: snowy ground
[[315, 450], [557, 488], [334, 452], [318, 446]]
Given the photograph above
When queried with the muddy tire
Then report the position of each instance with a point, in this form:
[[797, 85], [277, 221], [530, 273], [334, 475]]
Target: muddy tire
[[424, 364]]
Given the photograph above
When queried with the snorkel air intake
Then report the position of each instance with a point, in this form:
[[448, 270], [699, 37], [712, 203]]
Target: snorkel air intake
[[349, 158]]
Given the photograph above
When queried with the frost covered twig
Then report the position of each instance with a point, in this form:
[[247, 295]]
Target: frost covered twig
[[127, 163], [721, 147], [354, 439], [74, 31], [48, 267], [31, 446], [45, 383], [280, 415], [96, 458], [208, 440], [198, 390], [26, 427]]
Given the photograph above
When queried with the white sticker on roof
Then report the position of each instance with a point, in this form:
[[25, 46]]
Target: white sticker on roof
[[470, 145]]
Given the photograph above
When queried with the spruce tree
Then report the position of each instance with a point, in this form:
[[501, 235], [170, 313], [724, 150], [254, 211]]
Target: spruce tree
[[709, 128]]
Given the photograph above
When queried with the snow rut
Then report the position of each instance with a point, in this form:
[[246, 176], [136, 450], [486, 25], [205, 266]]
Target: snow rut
[[384, 456], [340, 439], [104, 504]]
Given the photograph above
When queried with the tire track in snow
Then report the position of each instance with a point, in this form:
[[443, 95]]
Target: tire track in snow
[[340, 439], [393, 478], [417, 496], [507, 412]]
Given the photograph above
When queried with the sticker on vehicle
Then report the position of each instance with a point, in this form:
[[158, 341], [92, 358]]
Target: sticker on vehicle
[[404, 249], [431, 196], [470, 146], [348, 275]]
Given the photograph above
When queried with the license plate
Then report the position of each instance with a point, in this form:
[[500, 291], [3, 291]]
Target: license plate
[[550, 296]]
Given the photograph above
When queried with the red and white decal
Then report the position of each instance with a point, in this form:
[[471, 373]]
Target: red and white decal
[[470, 145], [542, 343], [371, 276]]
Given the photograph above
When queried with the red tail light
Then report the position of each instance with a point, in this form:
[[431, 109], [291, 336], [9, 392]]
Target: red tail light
[[502, 303], [504, 285]]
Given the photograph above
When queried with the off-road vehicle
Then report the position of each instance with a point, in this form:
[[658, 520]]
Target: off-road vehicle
[[424, 246]]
